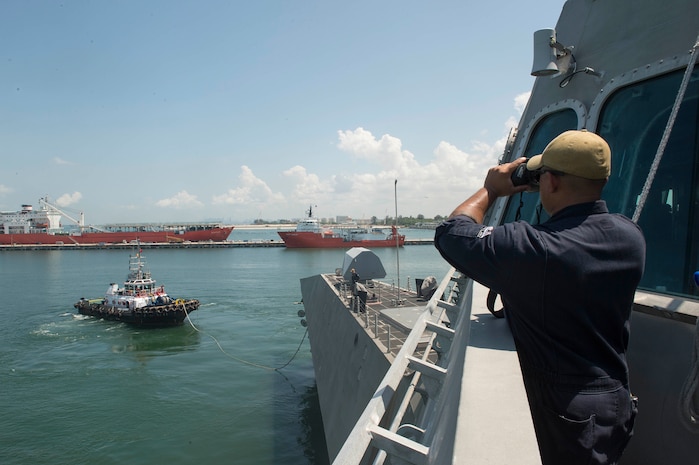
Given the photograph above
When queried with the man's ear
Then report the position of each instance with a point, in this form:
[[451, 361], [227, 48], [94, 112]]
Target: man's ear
[[554, 183]]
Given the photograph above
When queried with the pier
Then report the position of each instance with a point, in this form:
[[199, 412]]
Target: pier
[[167, 245]]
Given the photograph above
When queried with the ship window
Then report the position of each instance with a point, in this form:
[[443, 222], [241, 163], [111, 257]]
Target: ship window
[[632, 121], [549, 127]]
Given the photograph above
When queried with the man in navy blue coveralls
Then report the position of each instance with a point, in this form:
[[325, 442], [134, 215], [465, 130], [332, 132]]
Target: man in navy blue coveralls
[[567, 286]]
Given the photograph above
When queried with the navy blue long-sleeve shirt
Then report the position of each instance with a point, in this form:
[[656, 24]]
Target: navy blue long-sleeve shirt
[[567, 286]]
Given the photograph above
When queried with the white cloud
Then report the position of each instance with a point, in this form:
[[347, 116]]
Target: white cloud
[[386, 151], [433, 188], [521, 101], [251, 189], [68, 199], [4, 189], [307, 187], [182, 199], [366, 168], [60, 161], [343, 183]]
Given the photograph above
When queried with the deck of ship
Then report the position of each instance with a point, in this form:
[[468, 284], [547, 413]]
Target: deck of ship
[[388, 314], [492, 402]]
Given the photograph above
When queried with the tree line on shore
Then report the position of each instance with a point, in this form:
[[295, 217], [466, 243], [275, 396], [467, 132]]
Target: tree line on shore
[[418, 221]]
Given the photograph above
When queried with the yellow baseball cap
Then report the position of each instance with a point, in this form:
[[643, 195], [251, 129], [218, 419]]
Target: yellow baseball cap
[[580, 153]]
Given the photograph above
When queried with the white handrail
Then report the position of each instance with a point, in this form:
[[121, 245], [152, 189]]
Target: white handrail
[[367, 433]]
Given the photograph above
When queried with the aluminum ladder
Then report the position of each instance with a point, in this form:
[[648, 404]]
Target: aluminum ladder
[[376, 439]]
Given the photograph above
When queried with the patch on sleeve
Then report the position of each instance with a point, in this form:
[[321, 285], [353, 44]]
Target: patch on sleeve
[[484, 232]]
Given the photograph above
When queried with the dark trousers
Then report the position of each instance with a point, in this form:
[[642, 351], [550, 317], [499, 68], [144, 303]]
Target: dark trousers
[[581, 425]]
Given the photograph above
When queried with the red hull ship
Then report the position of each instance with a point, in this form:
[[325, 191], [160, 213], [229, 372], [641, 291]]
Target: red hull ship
[[42, 226], [216, 234], [309, 234]]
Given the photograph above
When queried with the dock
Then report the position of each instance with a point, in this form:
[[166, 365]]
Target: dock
[[168, 245]]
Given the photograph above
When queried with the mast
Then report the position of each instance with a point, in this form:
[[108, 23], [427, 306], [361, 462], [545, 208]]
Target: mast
[[395, 225]]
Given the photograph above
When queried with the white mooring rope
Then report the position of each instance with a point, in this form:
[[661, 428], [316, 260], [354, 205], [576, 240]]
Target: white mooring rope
[[240, 360]]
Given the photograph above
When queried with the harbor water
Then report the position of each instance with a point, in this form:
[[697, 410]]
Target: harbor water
[[236, 386]]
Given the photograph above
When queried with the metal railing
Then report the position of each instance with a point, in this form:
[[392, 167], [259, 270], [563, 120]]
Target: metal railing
[[425, 439], [387, 333]]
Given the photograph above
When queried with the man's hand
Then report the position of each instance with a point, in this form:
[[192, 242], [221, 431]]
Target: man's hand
[[497, 184]]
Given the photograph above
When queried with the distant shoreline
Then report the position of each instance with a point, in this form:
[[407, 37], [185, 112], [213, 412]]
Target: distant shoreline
[[264, 226], [293, 226]]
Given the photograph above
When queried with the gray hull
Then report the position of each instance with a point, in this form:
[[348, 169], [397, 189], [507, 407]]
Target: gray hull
[[628, 73]]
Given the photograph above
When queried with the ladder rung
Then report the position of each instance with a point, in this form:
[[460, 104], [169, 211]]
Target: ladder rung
[[399, 446], [440, 329], [427, 369], [446, 305]]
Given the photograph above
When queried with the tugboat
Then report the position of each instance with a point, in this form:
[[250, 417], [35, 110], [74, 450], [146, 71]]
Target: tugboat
[[140, 302]]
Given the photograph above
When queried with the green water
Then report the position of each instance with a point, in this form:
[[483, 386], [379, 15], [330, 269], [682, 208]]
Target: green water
[[76, 390]]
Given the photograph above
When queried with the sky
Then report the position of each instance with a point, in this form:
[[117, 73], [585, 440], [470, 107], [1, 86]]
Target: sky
[[232, 111]]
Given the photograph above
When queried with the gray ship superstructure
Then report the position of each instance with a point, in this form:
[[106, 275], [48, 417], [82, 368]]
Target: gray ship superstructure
[[453, 392]]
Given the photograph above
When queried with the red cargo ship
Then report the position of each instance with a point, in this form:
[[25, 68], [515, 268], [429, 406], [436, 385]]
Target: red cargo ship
[[42, 226], [309, 234]]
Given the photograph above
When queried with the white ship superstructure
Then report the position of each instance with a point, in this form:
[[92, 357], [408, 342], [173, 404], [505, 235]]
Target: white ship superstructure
[[29, 220]]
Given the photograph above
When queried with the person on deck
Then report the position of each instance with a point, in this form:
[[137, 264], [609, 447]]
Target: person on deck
[[355, 280], [567, 286]]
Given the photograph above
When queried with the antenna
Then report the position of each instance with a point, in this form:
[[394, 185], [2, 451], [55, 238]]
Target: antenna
[[395, 224]]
